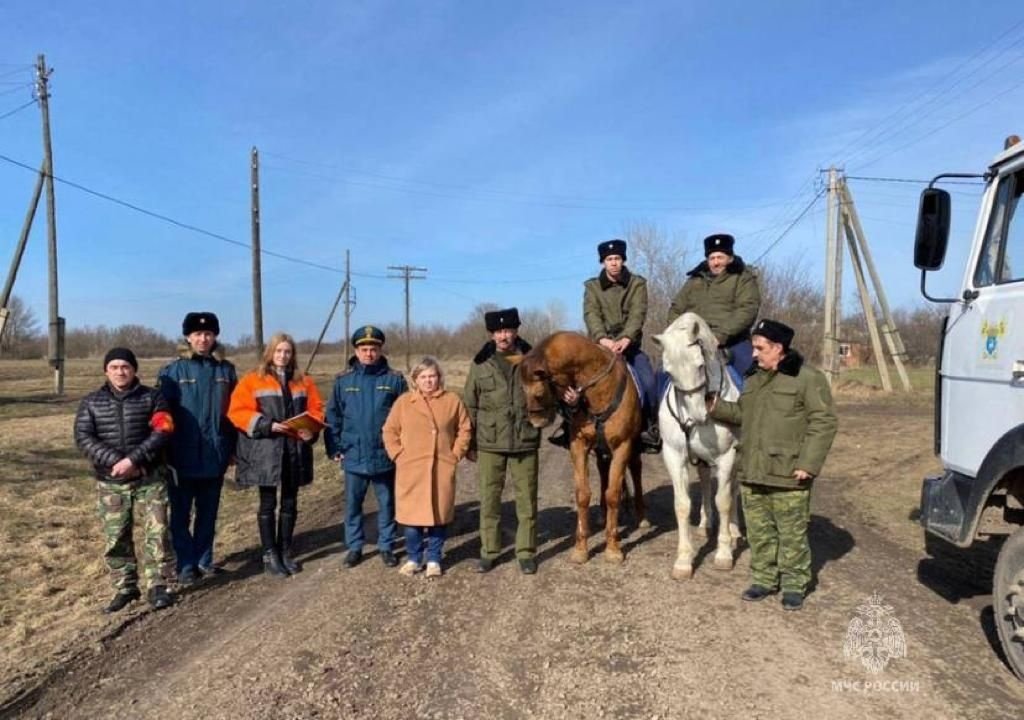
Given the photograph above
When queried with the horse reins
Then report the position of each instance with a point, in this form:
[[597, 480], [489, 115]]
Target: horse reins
[[688, 425], [599, 419]]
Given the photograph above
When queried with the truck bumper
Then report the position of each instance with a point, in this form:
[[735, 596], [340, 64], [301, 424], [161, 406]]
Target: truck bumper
[[943, 503]]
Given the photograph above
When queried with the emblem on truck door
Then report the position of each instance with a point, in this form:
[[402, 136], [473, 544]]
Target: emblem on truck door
[[992, 331]]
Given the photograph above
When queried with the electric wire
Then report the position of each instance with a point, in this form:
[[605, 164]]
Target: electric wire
[[18, 109], [874, 135], [792, 225]]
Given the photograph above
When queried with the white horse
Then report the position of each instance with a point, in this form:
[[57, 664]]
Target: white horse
[[691, 438]]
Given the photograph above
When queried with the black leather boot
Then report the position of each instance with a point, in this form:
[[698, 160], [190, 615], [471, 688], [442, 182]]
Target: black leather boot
[[560, 437], [285, 531], [122, 600], [271, 558], [650, 437]]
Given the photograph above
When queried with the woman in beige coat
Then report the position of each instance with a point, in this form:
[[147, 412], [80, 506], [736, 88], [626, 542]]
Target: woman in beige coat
[[426, 434]]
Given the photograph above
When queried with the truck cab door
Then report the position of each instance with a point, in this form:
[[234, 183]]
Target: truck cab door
[[983, 358]]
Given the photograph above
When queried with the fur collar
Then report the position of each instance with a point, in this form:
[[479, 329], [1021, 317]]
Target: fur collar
[[735, 267], [791, 363], [624, 279], [489, 348], [217, 353]]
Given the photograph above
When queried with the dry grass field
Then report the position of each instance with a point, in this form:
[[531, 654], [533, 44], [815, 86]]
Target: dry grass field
[[52, 577]]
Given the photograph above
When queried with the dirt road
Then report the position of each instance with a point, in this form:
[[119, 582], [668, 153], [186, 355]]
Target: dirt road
[[596, 641]]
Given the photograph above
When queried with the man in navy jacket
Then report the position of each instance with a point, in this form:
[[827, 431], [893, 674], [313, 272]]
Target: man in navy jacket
[[359, 405], [198, 387]]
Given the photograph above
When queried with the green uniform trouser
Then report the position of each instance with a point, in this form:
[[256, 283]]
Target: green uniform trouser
[[777, 518], [117, 502], [523, 468]]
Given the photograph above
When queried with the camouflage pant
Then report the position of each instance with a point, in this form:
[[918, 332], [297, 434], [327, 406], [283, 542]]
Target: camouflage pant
[[117, 502], [777, 533]]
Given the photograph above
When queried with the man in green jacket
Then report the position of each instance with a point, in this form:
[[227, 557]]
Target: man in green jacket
[[789, 422], [614, 310], [724, 291], [503, 439]]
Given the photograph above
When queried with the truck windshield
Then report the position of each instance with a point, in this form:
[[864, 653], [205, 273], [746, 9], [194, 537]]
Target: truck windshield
[[1002, 254]]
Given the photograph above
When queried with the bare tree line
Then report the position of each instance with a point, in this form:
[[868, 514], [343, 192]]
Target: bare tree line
[[787, 293]]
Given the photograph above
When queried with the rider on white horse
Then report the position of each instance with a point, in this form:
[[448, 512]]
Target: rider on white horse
[[724, 291]]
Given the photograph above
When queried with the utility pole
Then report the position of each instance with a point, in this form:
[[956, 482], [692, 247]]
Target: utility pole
[[257, 271], [19, 251], [350, 303], [893, 339], [833, 267], [407, 275], [56, 324]]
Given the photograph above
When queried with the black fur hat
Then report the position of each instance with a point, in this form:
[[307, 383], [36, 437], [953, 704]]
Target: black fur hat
[[720, 242], [775, 331], [196, 321], [499, 319], [612, 247]]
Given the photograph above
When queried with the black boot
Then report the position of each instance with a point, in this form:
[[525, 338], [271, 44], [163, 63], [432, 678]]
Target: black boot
[[560, 437], [650, 437], [122, 600], [271, 559], [286, 529]]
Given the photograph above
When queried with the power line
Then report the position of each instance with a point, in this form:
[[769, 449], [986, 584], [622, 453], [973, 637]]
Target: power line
[[18, 109], [17, 88], [177, 223], [875, 133], [791, 225], [931, 132], [479, 194]]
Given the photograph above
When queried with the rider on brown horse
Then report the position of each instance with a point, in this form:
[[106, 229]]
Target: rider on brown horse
[[614, 310]]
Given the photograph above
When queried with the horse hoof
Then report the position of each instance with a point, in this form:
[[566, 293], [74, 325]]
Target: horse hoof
[[723, 563], [644, 524], [578, 556], [615, 557], [682, 572]]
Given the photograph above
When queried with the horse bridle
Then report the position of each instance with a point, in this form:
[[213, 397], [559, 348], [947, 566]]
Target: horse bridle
[[688, 425], [557, 389]]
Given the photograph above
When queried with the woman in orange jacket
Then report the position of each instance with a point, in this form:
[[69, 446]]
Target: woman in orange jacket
[[426, 434], [270, 454]]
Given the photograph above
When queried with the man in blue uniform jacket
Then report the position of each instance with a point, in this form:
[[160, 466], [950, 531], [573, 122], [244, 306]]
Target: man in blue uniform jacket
[[359, 405]]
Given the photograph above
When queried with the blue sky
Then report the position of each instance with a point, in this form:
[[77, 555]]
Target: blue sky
[[493, 143]]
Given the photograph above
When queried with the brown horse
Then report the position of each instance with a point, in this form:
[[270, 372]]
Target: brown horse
[[608, 418]]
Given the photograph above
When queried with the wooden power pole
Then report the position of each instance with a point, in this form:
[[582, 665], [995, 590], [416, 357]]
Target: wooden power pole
[[257, 270], [55, 348], [350, 302], [860, 254], [843, 218], [833, 291], [407, 274]]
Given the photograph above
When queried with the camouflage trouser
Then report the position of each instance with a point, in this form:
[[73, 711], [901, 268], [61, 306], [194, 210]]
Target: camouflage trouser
[[116, 507], [777, 518]]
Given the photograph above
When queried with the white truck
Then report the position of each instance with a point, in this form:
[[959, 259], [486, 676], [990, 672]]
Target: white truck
[[979, 386]]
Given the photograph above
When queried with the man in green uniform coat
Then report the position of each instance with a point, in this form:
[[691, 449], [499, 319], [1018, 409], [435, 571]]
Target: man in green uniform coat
[[724, 291], [789, 422], [503, 439], [614, 310]]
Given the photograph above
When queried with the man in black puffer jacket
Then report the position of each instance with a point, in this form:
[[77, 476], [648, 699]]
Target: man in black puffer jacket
[[122, 428]]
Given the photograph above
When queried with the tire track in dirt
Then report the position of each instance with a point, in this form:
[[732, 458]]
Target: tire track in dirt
[[596, 640]]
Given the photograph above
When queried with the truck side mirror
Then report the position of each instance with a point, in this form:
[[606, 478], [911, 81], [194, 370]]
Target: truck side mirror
[[932, 229]]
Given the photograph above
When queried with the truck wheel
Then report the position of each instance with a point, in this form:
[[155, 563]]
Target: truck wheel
[[1008, 600]]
